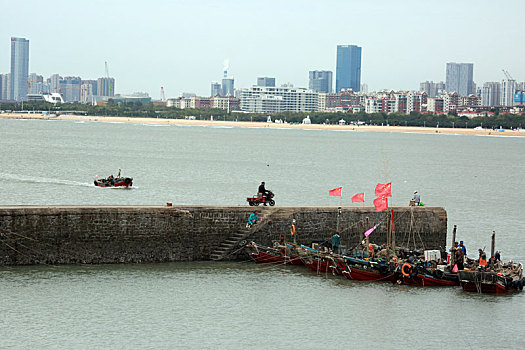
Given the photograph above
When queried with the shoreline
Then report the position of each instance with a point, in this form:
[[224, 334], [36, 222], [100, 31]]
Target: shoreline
[[371, 128]]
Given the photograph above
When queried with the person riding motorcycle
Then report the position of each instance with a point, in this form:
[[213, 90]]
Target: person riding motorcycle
[[262, 191]]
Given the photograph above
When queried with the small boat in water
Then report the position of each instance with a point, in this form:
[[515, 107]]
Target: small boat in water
[[505, 281], [111, 181], [278, 254]]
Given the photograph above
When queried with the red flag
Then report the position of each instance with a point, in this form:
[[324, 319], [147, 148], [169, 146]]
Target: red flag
[[358, 197], [336, 192], [381, 203], [384, 190]]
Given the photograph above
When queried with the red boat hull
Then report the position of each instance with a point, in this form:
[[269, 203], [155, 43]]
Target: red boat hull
[[323, 266], [426, 281], [492, 288], [365, 275]]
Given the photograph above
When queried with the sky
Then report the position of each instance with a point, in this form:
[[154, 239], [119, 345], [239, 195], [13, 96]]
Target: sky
[[182, 45]]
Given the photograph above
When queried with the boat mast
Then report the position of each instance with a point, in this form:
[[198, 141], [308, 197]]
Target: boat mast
[[492, 250]]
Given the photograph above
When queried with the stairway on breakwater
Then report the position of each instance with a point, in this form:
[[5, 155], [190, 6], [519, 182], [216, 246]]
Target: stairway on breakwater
[[235, 241]]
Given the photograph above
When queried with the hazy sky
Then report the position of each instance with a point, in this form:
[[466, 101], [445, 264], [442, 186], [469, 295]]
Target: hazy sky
[[182, 45]]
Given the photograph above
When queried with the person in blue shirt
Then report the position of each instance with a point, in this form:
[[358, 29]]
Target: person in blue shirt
[[336, 241], [252, 220], [463, 248]]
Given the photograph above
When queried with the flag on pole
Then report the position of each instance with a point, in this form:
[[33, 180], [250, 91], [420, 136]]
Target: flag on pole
[[336, 192], [358, 197], [381, 204], [384, 190], [368, 232]]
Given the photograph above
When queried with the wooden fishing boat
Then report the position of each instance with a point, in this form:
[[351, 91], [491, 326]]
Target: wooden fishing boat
[[364, 270], [272, 255], [492, 282], [418, 275], [323, 264]]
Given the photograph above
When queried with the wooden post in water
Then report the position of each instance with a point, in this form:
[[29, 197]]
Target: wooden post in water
[[388, 232], [492, 249], [392, 232], [453, 241], [367, 240]]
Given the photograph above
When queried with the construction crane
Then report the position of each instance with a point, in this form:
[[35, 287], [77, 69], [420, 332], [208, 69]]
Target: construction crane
[[162, 95], [507, 75]]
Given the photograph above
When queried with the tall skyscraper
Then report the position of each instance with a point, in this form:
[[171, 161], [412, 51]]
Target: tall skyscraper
[[460, 78], [106, 87], [36, 84], [508, 88], [53, 82], [348, 70], [320, 81], [491, 94], [70, 89], [266, 81], [215, 89], [227, 87], [5, 91], [432, 89], [19, 68]]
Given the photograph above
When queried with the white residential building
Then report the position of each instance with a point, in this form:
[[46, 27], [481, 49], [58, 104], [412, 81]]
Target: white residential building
[[508, 88], [268, 99]]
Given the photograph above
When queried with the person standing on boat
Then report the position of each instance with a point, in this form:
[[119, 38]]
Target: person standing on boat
[[457, 253], [336, 241], [252, 220], [463, 248], [292, 230], [497, 256], [417, 198], [482, 261]]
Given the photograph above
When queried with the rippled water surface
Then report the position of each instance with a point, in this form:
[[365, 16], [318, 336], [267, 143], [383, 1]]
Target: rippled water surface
[[479, 181]]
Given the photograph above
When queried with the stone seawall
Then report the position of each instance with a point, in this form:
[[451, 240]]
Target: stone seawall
[[135, 234]]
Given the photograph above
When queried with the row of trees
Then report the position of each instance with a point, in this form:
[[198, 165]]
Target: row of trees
[[137, 109]]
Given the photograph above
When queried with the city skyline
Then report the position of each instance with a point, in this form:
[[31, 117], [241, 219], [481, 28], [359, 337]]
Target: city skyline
[[143, 58]]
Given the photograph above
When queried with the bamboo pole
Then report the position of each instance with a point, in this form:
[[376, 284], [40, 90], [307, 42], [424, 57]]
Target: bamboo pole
[[492, 249], [453, 241]]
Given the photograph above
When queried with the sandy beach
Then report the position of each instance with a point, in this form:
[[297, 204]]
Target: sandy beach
[[402, 129]]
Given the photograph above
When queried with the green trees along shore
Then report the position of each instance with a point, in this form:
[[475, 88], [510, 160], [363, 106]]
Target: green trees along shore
[[131, 109]]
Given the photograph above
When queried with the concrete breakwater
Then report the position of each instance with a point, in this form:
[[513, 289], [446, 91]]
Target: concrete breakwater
[[140, 234]]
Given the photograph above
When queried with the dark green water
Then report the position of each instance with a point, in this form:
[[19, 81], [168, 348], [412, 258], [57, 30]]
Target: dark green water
[[479, 181]]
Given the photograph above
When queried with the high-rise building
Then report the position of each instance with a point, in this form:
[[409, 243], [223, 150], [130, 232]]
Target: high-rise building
[[106, 87], [215, 89], [266, 81], [491, 94], [36, 84], [348, 70], [460, 78], [5, 93], [54, 82], [19, 68], [320, 81], [508, 88], [227, 87], [432, 89], [93, 84], [70, 89]]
